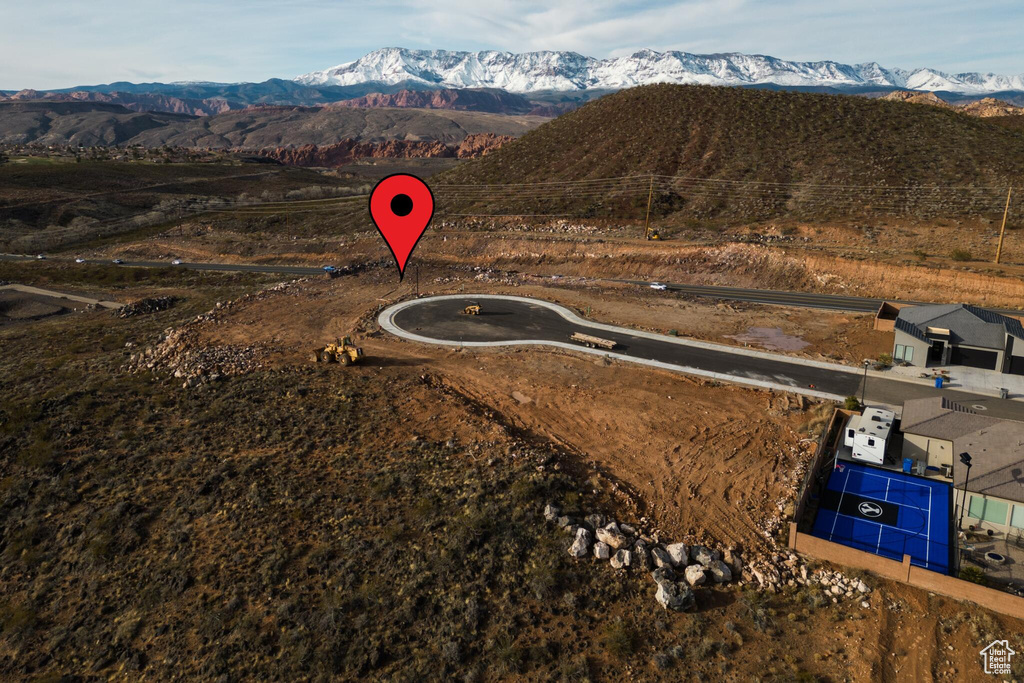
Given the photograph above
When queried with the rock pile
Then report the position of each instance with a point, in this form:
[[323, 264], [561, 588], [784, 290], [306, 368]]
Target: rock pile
[[143, 306], [181, 353], [677, 568]]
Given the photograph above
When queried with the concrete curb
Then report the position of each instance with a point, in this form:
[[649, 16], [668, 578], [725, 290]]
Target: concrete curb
[[386, 321]]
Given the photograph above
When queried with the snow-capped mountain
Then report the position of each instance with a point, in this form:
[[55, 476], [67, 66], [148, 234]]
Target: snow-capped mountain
[[567, 71]]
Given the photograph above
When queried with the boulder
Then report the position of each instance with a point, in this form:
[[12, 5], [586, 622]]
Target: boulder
[[660, 557], [581, 545], [612, 525], [550, 513], [720, 571], [622, 559], [675, 596], [663, 575], [678, 552], [595, 521], [695, 575], [613, 537], [702, 555], [602, 551], [732, 558], [862, 587], [564, 521], [627, 529], [642, 556]]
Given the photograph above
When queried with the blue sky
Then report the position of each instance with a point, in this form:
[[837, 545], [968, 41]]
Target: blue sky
[[50, 44]]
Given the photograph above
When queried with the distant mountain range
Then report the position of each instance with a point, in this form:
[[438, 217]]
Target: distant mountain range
[[547, 71], [537, 83]]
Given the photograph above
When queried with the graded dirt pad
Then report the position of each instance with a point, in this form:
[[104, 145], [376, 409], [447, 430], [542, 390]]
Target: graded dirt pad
[[18, 307], [687, 454]]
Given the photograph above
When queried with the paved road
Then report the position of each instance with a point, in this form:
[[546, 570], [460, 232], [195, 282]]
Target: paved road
[[506, 320], [231, 267], [761, 296], [768, 296]]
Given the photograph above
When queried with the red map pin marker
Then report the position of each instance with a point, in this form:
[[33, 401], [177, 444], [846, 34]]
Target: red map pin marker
[[401, 207]]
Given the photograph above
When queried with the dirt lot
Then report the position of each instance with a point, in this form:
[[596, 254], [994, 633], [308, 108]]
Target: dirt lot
[[682, 452], [18, 307]]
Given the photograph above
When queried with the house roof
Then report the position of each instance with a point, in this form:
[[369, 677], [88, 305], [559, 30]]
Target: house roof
[[940, 418], [967, 324], [997, 460]]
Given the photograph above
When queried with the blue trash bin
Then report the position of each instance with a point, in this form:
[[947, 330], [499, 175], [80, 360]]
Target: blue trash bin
[[938, 382], [908, 465]]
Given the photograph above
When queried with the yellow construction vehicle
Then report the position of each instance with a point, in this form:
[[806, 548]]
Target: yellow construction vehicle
[[344, 352], [653, 235], [472, 310]]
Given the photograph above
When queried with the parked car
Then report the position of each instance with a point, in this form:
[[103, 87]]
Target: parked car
[[117, 261], [658, 286], [79, 260], [329, 269], [40, 257], [176, 262]]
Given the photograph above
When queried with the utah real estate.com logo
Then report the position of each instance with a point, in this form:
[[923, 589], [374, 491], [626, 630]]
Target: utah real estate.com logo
[[997, 657]]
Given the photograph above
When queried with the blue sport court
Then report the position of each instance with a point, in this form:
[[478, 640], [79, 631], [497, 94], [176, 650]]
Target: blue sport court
[[888, 514]]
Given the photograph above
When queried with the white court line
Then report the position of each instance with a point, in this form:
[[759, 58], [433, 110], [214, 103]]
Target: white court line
[[839, 507], [879, 544], [888, 480], [868, 521], [928, 545], [909, 532]]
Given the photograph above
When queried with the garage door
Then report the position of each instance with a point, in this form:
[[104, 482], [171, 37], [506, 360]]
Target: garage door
[[1017, 368], [974, 358]]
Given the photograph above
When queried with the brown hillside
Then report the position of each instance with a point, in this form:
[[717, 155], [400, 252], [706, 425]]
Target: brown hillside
[[739, 137]]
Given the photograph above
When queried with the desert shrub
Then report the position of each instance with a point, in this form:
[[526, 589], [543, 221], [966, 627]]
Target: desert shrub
[[621, 639], [961, 255], [974, 575], [507, 656], [851, 403]]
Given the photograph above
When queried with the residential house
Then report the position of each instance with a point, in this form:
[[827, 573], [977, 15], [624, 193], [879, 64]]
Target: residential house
[[931, 425], [958, 334], [995, 487]]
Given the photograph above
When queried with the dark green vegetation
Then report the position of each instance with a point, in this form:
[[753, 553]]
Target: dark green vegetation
[[754, 136], [91, 123], [47, 205]]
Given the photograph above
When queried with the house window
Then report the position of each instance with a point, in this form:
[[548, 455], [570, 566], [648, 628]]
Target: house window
[[871, 443], [988, 510], [1017, 518], [898, 353], [850, 432], [908, 355]]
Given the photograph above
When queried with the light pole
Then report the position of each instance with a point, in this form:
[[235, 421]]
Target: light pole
[[864, 385], [965, 458]]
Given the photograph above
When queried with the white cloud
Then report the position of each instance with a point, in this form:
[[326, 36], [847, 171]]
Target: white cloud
[[48, 44]]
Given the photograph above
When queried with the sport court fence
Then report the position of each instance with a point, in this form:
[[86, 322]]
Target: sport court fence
[[902, 571]]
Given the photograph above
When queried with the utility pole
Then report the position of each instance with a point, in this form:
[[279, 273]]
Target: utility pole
[[1002, 230], [647, 221], [864, 386]]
